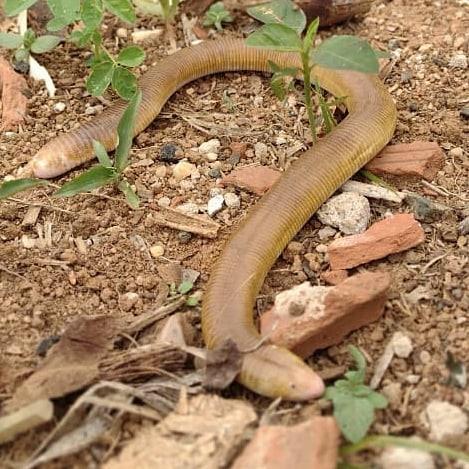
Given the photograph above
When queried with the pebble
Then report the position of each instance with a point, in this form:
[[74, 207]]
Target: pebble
[[214, 173], [184, 237], [122, 33], [210, 146], [464, 112], [456, 152], [157, 250], [239, 149], [214, 205], [401, 345], [212, 157], [59, 107], [147, 35], [256, 179], [128, 300], [458, 60], [261, 150], [164, 202], [188, 208], [350, 212], [425, 209], [183, 170], [393, 392], [463, 226], [232, 200], [92, 110], [373, 191], [326, 232], [160, 171], [170, 153], [406, 458], [444, 420]]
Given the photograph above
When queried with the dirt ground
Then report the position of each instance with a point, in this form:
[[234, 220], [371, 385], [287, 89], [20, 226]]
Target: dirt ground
[[82, 254]]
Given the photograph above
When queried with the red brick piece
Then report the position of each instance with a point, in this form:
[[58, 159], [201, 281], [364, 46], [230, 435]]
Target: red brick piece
[[417, 159], [322, 316], [334, 277], [256, 179], [388, 236], [311, 444]]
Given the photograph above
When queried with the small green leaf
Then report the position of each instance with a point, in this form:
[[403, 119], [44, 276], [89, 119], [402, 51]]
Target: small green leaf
[[216, 15], [354, 417], [359, 360], [13, 7], [131, 56], [9, 188], [125, 131], [130, 196], [185, 287], [381, 54], [378, 400], [122, 9], [124, 82], [101, 154], [65, 12], [44, 44], [276, 37], [95, 177], [91, 13], [22, 55], [100, 78], [28, 38], [278, 83], [281, 12], [192, 301], [310, 35], [346, 53], [10, 40]]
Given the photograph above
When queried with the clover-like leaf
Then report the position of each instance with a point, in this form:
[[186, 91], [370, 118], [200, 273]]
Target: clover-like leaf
[[100, 78], [44, 44], [280, 11], [276, 37], [131, 56]]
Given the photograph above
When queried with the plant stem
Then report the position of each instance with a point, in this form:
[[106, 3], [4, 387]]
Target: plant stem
[[307, 88], [380, 441]]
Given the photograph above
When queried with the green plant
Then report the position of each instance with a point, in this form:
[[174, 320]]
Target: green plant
[[169, 8], [354, 402], [105, 69], [216, 15], [28, 43], [283, 26]]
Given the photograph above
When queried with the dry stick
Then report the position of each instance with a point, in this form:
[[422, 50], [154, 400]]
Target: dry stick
[[39, 204]]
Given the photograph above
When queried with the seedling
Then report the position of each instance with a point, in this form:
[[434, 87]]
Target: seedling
[[27, 44], [169, 8], [284, 23], [108, 171], [354, 402], [217, 15]]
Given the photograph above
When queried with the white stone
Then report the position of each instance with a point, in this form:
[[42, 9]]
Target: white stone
[[350, 212], [373, 191], [147, 35], [326, 232], [444, 420], [91, 110], [215, 204], [216, 191], [261, 150], [182, 170], [122, 33], [160, 171], [232, 200], [212, 157], [401, 345], [459, 60], [128, 300], [405, 458], [188, 208], [164, 202], [280, 140], [59, 107], [157, 250], [456, 152], [210, 146]]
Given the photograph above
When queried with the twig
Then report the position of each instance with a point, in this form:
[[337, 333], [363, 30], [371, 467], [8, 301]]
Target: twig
[[433, 261], [443, 191], [39, 204], [11, 272]]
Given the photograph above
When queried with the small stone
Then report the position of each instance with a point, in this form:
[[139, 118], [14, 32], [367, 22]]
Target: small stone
[[170, 153], [444, 420], [311, 444], [458, 60], [190, 275], [183, 170], [188, 208], [232, 200], [210, 146], [406, 458], [164, 202], [147, 35], [329, 313], [122, 33], [456, 152], [128, 300], [261, 150], [334, 277], [172, 332], [157, 250], [59, 107], [280, 140], [389, 236], [212, 157], [326, 232], [406, 76], [402, 345], [350, 212], [425, 357], [425, 47], [214, 205], [413, 107], [393, 392], [464, 112], [412, 379], [256, 179], [394, 44], [184, 237], [463, 227], [417, 159], [425, 209], [160, 171], [373, 191], [214, 173]]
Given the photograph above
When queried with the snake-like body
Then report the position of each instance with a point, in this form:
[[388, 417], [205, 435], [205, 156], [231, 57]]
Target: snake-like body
[[227, 309]]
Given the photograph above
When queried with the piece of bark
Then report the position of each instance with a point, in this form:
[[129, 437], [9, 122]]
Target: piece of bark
[[389, 236], [196, 7], [417, 159], [308, 445], [333, 11], [14, 100], [317, 317]]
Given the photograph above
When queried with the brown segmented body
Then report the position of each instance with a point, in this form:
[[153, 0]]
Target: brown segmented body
[[274, 220]]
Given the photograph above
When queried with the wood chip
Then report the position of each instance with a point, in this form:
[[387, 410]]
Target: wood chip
[[185, 222], [31, 216]]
